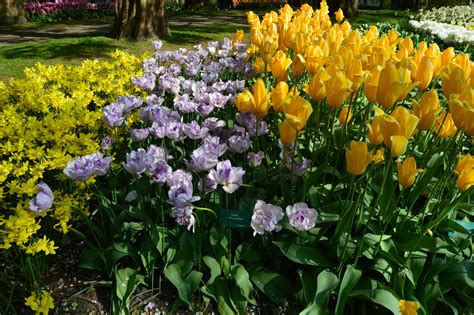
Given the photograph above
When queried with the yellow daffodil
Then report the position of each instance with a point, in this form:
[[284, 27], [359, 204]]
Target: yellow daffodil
[[409, 307]]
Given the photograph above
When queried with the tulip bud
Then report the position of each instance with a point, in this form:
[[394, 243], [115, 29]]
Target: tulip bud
[[244, 100], [425, 73], [407, 172], [287, 132], [345, 115], [357, 158], [278, 94], [399, 145], [339, 15]]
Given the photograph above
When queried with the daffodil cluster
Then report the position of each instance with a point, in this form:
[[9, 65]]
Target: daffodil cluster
[[46, 119]]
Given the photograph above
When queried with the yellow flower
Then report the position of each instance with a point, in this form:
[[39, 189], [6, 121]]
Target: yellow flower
[[425, 73], [371, 84], [279, 66], [409, 307], [298, 66], [378, 157], [453, 80], [40, 303], [278, 94], [357, 158], [43, 244], [287, 132], [297, 110], [407, 171], [259, 66], [316, 87], [345, 115], [393, 84], [375, 134], [465, 171], [258, 102], [398, 145], [427, 109], [444, 126], [338, 88], [462, 113], [339, 15]]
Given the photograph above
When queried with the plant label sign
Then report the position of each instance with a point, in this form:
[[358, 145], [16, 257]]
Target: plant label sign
[[234, 218]]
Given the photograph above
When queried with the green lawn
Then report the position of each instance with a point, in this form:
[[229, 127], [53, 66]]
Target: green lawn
[[15, 57]]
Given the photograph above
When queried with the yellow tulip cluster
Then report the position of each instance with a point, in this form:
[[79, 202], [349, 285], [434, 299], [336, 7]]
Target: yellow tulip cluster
[[334, 65], [47, 119]]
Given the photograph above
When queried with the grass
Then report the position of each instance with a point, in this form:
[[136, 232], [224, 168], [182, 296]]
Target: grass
[[188, 29]]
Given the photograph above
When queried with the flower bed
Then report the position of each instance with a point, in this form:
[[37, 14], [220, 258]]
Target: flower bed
[[450, 34], [458, 15], [320, 167], [66, 10]]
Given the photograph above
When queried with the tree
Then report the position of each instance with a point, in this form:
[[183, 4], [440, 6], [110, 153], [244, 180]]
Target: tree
[[140, 19], [350, 7], [11, 11]]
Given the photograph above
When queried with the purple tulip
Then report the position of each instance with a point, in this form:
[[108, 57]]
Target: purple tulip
[[43, 199]]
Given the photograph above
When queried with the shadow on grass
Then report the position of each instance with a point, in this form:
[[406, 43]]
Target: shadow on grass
[[85, 47], [187, 34]]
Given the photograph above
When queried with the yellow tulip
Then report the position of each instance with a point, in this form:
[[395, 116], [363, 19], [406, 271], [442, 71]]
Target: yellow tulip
[[444, 126], [409, 307], [375, 135], [297, 110], [279, 66], [239, 36], [287, 132], [301, 42], [407, 121], [316, 87], [261, 97], [407, 172], [357, 158], [427, 109], [405, 79], [339, 15], [390, 86], [314, 57], [338, 88], [378, 157], [371, 84], [446, 56], [298, 66], [269, 49], [462, 113], [356, 74], [465, 171], [278, 94], [399, 145], [244, 101], [406, 43], [345, 115], [425, 73], [390, 127], [453, 80], [259, 66]]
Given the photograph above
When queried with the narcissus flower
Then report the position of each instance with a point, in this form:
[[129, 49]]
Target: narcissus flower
[[427, 109], [409, 307], [407, 171], [357, 158]]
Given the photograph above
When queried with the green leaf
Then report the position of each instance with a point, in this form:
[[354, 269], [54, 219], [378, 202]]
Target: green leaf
[[307, 278], [194, 279], [127, 281], [327, 282], [302, 254], [444, 213], [174, 274], [213, 266], [94, 259], [275, 286], [148, 256], [223, 297], [381, 265], [381, 297], [349, 281], [242, 280], [387, 198]]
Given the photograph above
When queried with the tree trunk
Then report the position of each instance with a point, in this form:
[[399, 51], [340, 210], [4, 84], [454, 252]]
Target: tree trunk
[[11, 11], [140, 20], [351, 8]]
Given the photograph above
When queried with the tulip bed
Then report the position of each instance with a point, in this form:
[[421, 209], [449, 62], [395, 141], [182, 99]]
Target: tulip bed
[[317, 169]]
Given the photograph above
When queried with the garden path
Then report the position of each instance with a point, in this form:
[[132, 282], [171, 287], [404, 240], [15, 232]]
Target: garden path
[[25, 33]]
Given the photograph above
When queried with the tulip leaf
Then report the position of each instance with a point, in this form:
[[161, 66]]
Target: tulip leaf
[[275, 286], [451, 206], [387, 197], [175, 275], [327, 282], [349, 281], [302, 254], [242, 280], [307, 278], [213, 266], [381, 297]]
